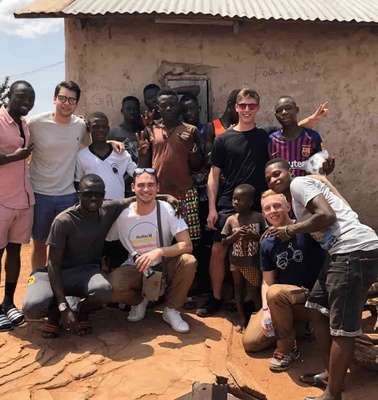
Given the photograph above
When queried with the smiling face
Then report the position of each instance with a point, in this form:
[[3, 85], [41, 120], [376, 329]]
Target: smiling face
[[145, 187], [247, 108], [286, 111], [65, 109], [91, 195], [278, 178], [275, 209], [21, 100]]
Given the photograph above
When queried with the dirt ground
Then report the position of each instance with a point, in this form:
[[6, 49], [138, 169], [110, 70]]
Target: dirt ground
[[146, 360]]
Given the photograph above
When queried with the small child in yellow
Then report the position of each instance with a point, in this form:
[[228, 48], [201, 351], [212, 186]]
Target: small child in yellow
[[243, 231]]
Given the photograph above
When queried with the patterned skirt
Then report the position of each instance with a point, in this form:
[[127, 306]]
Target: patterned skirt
[[189, 211]]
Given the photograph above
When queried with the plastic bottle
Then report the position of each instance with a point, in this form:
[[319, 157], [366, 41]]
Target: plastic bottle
[[149, 272], [269, 331]]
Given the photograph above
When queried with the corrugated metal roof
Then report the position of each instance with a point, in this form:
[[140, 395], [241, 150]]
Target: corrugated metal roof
[[304, 10]]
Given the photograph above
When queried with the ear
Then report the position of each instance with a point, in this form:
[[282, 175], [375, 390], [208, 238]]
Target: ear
[[133, 187], [288, 207], [158, 188]]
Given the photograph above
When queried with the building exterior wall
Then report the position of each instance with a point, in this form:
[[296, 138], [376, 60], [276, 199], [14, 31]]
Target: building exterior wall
[[115, 57]]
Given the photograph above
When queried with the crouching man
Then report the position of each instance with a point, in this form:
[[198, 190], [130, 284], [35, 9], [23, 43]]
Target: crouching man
[[290, 269], [147, 229], [75, 243]]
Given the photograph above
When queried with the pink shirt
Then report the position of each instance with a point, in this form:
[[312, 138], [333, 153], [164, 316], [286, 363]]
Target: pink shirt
[[15, 188]]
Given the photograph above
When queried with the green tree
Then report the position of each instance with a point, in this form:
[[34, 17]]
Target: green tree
[[4, 87]]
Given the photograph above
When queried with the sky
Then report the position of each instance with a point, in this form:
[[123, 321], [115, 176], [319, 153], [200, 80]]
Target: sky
[[32, 50]]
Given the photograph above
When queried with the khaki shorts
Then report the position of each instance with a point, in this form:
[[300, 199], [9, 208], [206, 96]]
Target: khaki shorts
[[15, 225]]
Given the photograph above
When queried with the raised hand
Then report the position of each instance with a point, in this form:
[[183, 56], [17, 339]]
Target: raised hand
[[143, 144], [147, 118], [187, 139], [322, 111]]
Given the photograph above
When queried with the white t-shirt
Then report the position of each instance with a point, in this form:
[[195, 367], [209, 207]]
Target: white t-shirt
[[111, 169], [347, 234], [140, 233], [56, 145]]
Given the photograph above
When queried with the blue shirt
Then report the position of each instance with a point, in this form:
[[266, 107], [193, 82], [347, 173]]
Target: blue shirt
[[298, 261]]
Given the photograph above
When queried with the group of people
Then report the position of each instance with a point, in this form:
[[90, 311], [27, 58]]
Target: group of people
[[295, 247]]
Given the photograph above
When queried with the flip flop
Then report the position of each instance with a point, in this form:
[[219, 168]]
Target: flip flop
[[50, 331], [15, 316], [313, 379], [5, 324]]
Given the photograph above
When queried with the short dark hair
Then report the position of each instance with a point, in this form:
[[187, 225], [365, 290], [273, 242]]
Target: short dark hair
[[97, 114], [291, 98], [130, 98], [150, 86], [249, 189], [167, 92], [93, 178], [188, 97], [70, 85], [282, 162], [14, 85], [231, 99]]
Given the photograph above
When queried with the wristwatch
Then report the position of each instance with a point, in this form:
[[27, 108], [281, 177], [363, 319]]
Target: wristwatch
[[62, 307]]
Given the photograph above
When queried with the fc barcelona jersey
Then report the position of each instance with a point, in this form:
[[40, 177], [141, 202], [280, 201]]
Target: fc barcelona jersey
[[295, 151]]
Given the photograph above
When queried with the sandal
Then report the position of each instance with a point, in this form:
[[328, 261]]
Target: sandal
[[50, 331], [85, 328], [16, 317], [5, 324], [314, 379], [190, 304]]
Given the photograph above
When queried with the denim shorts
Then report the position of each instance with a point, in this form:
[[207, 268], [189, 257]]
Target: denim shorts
[[341, 289], [46, 209]]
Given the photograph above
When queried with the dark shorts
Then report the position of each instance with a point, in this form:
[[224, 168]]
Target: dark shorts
[[223, 214], [341, 288], [46, 209]]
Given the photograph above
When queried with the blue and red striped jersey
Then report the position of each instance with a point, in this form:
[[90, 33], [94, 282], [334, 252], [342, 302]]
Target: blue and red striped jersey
[[295, 151]]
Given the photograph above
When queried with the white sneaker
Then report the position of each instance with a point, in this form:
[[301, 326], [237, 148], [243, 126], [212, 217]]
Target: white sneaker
[[173, 318], [138, 312]]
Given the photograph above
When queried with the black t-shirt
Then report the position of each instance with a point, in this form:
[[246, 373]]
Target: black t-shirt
[[83, 238], [242, 157]]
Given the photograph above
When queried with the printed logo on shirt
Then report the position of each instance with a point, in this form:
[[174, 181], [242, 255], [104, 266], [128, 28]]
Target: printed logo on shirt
[[290, 254], [115, 168], [144, 237], [297, 164], [306, 151], [31, 280]]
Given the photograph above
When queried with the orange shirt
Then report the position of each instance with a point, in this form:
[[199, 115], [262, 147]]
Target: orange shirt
[[218, 127], [15, 191], [170, 158]]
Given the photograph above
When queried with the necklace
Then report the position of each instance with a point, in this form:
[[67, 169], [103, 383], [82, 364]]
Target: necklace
[[167, 135]]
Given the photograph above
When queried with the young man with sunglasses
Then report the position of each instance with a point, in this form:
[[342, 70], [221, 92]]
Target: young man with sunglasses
[[75, 243], [147, 229]]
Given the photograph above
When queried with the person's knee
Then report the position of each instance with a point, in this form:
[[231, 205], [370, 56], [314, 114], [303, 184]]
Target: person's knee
[[33, 308], [190, 262], [274, 294], [252, 346], [101, 292]]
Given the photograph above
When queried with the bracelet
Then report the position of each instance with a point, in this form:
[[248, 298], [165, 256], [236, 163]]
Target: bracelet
[[194, 149], [287, 232]]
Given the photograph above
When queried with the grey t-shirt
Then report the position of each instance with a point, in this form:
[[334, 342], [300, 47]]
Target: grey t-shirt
[[347, 234], [83, 238], [127, 138]]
